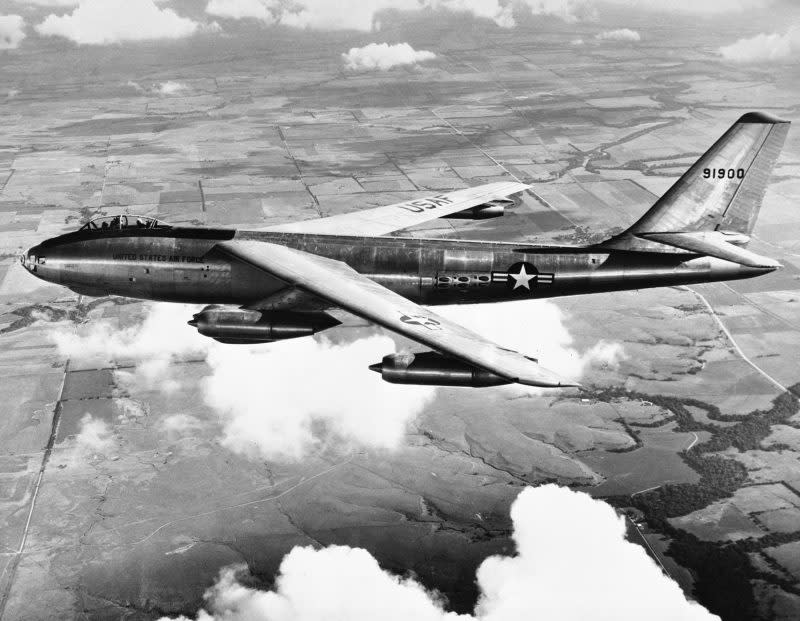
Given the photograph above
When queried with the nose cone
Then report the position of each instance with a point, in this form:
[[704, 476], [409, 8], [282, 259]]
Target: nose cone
[[30, 260]]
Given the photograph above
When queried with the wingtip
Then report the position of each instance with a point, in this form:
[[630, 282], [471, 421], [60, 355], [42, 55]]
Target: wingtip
[[548, 379], [763, 118]]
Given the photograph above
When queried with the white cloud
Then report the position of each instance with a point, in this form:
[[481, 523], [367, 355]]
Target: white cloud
[[100, 22], [562, 571], [764, 47], [274, 401], [130, 410], [327, 15], [536, 328], [566, 10], [272, 398], [161, 337], [51, 2], [500, 14], [621, 34], [179, 424], [384, 56], [94, 435], [12, 31], [92, 443], [280, 400], [309, 14], [167, 88], [698, 7], [170, 88], [241, 9]]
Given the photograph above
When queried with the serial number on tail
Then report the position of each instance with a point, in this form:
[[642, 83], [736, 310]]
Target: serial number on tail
[[723, 173]]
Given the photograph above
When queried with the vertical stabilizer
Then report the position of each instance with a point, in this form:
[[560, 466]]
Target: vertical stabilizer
[[722, 191]]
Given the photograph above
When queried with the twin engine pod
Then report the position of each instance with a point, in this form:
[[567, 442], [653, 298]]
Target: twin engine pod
[[434, 369], [239, 325], [492, 209]]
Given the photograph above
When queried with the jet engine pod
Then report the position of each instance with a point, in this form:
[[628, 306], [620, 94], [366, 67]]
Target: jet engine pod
[[434, 369], [240, 325], [492, 209]]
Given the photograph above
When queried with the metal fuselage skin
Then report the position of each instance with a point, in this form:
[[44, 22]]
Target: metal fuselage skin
[[181, 265]]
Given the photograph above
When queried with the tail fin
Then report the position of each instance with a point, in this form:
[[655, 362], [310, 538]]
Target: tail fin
[[722, 191]]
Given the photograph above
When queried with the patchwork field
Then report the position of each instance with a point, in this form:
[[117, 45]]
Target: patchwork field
[[120, 499]]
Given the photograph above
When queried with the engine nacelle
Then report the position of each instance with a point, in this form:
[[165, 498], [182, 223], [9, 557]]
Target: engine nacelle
[[434, 369], [239, 325], [735, 238], [491, 209]]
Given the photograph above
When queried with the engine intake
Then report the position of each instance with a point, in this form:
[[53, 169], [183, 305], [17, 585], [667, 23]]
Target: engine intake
[[434, 369], [492, 209], [239, 325]]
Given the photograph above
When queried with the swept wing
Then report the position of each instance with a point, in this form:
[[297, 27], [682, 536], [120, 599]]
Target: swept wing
[[384, 220], [340, 284]]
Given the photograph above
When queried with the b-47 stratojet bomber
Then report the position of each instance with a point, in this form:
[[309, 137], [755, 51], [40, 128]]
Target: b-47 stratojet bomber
[[296, 279]]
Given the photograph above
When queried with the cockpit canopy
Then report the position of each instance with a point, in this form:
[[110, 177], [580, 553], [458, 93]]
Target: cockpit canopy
[[123, 222]]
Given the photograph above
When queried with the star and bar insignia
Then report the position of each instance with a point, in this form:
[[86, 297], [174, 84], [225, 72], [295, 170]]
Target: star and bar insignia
[[421, 320], [522, 275]]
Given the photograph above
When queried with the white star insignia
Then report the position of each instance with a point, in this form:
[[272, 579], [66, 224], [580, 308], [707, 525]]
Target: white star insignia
[[522, 278]]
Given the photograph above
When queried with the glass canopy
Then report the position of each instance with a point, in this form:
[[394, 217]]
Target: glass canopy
[[123, 222]]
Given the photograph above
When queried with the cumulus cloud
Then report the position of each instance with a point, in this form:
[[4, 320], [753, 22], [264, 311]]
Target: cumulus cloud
[[621, 34], [310, 14], [165, 89], [325, 15], [241, 9], [93, 442], [130, 410], [384, 56], [179, 424], [284, 399], [562, 571], [274, 401], [363, 15], [12, 31], [160, 338], [500, 14], [536, 328], [170, 88], [706, 7], [94, 435], [100, 22], [764, 47], [52, 2]]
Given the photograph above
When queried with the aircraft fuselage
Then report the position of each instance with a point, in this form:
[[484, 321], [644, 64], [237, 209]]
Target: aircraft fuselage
[[180, 265]]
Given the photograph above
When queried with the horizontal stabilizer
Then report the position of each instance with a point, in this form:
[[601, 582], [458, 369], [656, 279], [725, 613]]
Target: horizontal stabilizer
[[712, 244]]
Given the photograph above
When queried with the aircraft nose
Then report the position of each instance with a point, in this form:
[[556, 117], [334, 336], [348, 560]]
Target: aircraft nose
[[29, 259]]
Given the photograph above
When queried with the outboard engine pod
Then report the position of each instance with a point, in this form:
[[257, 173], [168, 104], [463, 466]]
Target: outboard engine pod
[[434, 369], [491, 209], [240, 325]]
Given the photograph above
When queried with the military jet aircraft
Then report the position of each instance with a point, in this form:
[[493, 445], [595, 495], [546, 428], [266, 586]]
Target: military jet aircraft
[[297, 279]]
